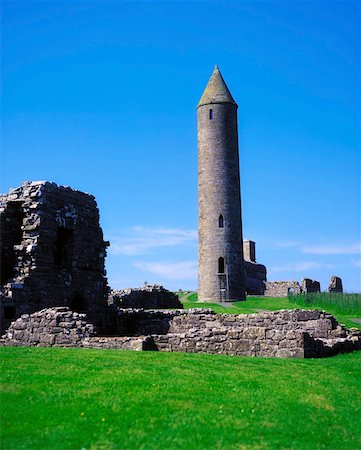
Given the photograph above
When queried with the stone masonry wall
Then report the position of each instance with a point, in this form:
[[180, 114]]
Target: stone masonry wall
[[52, 252], [284, 334], [281, 288], [147, 297], [309, 285]]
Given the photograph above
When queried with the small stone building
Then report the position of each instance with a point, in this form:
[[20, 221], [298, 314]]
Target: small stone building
[[52, 252]]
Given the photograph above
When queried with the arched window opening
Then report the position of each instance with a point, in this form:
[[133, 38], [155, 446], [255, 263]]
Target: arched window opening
[[210, 114], [221, 265], [221, 221], [78, 304]]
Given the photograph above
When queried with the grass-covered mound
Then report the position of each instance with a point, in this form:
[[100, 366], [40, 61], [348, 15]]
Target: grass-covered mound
[[55, 398]]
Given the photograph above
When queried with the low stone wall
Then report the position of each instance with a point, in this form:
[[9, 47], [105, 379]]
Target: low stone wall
[[49, 327], [285, 334], [147, 297], [120, 343]]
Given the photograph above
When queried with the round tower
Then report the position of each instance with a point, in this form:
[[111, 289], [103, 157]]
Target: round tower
[[221, 275]]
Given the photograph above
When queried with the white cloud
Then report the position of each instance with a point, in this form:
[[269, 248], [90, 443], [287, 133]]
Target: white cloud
[[332, 249], [141, 240], [182, 270], [300, 266]]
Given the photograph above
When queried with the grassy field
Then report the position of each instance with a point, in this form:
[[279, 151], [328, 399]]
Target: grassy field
[[55, 398], [344, 307]]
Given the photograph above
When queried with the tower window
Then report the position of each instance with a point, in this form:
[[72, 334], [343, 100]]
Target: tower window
[[220, 221], [221, 265], [63, 248], [210, 114]]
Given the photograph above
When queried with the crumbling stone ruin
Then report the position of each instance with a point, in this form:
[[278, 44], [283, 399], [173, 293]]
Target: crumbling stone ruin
[[283, 334], [335, 285], [282, 288], [150, 296], [256, 274], [308, 286], [52, 252]]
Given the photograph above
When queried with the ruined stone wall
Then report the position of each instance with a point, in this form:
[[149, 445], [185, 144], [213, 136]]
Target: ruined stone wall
[[52, 252], [335, 285], [256, 275], [147, 297], [50, 327], [285, 334], [308, 285], [281, 288]]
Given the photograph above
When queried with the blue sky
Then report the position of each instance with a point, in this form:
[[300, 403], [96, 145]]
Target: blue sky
[[101, 96]]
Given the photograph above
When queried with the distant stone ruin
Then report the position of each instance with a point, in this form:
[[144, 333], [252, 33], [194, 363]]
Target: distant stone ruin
[[282, 288], [282, 334], [52, 252], [335, 285], [150, 296], [309, 286], [256, 274]]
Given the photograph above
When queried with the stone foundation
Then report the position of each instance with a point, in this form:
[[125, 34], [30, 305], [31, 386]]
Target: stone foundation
[[283, 334]]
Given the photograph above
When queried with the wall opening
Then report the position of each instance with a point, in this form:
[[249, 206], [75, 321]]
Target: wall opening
[[9, 312], [78, 304], [210, 114], [63, 248], [220, 221], [221, 265], [290, 291], [11, 234]]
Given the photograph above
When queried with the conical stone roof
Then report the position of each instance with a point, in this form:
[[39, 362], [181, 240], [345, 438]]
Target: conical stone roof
[[216, 90]]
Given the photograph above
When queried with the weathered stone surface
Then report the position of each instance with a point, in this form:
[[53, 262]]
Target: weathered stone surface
[[335, 284], [308, 285], [221, 273], [283, 334], [147, 297], [52, 252], [72, 330], [281, 288]]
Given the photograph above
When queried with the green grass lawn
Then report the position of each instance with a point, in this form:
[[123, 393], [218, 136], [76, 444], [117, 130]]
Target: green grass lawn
[[255, 304], [55, 398]]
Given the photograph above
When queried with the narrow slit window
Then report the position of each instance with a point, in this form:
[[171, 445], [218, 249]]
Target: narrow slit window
[[221, 265], [221, 221], [210, 114]]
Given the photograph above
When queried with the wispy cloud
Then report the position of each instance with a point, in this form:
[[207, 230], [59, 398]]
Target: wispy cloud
[[141, 240], [300, 266], [284, 244], [182, 270], [332, 249]]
